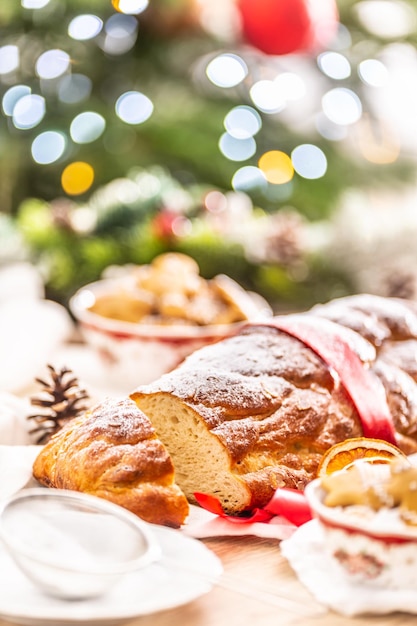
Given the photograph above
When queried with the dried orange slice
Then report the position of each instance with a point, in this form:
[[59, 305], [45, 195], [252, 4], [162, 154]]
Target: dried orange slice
[[343, 454]]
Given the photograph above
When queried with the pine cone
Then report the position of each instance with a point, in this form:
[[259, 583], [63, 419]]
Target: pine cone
[[62, 400]]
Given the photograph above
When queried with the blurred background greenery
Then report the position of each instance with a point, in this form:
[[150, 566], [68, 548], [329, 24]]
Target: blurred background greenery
[[272, 140]]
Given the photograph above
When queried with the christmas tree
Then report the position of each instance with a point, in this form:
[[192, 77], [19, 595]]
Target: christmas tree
[[235, 131]]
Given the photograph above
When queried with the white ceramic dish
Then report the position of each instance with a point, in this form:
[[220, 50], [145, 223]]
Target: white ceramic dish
[[386, 525], [368, 547], [138, 353], [73, 545], [163, 585], [306, 552]]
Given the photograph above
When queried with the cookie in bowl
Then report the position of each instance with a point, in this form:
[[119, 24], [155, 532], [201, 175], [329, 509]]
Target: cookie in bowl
[[146, 319], [368, 515]]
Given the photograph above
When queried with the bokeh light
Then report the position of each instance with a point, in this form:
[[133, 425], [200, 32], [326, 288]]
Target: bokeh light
[[237, 149], [373, 72], [328, 129], [342, 106], [267, 96], [277, 167], [9, 59], [87, 127], [12, 96], [48, 147], [215, 201], [249, 178], [309, 161], [130, 7], [84, 27], [34, 4], [291, 86], [28, 111], [378, 143], [121, 34], [52, 63], [120, 26], [386, 18], [243, 122], [227, 70], [77, 178], [133, 107], [334, 65], [74, 88]]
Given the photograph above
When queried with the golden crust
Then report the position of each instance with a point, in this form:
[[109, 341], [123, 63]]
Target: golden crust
[[273, 404], [112, 452]]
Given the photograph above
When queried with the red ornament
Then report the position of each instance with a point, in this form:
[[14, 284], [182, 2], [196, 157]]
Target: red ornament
[[169, 225], [163, 224], [286, 26]]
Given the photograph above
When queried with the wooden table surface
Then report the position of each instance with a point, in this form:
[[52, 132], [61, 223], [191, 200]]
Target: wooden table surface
[[277, 596]]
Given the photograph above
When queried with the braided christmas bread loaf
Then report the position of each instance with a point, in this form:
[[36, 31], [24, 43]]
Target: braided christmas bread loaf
[[112, 452], [257, 411]]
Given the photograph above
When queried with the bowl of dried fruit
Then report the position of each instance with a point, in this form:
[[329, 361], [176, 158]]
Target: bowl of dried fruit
[[368, 516], [145, 319]]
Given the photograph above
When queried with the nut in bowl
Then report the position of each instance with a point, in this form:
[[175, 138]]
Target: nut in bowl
[[368, 515], [147, 319]]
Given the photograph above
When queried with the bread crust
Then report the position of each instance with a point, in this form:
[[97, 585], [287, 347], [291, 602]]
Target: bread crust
[[273, 407], [112, 452]]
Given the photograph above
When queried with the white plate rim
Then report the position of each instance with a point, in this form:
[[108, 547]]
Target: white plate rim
[[101, 610]]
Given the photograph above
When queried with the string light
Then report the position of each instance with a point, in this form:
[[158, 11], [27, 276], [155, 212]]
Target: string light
[[52, 63], [275, 88], [276, 166], [87, 127], [248, 178], [134, 107], [77, 178], [309, 161], [342, 106], [227, 70], [84, 27], [48, 147], [243, 122], [28, 111], [9, 59], [267, 96], [130, 7], [237, 149], [12, 96]]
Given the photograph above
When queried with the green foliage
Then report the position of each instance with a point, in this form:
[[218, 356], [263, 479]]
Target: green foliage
[[175, 152]]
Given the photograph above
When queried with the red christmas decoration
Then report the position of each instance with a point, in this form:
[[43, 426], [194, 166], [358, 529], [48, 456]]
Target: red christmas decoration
[[279, 27], [169, 225], [163, 224]]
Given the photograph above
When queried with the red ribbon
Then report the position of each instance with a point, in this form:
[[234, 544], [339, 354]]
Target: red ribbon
[[363, 388], [286, 502]]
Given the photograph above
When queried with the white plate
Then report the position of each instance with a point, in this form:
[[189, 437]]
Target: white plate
[[162, 585]]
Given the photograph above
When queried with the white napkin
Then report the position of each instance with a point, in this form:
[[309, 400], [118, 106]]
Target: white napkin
[[16, 468], [14, 426], [32, 328], [202, 523], [30, 333], [320, 575]]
